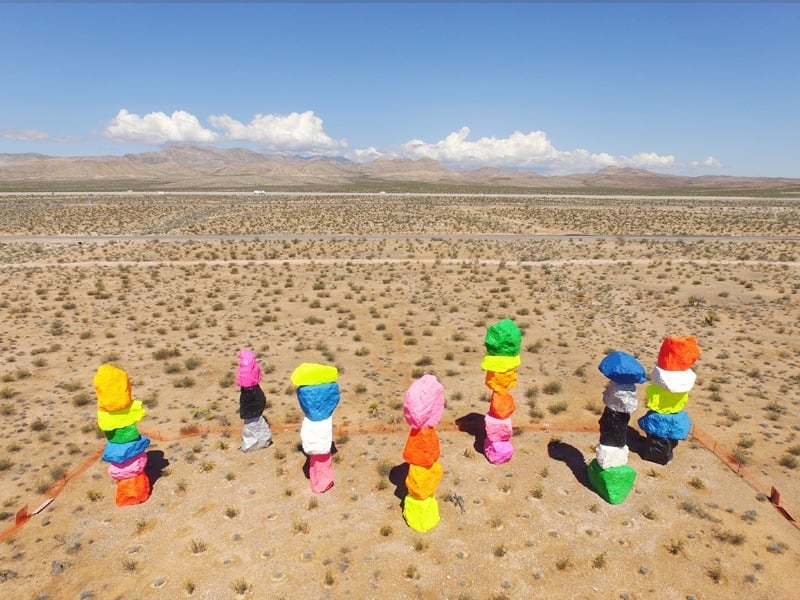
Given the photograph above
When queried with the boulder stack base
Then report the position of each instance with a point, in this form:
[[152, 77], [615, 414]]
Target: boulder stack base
[[502, 343]]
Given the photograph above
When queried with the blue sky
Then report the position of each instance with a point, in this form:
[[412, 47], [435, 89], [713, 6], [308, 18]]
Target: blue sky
[[555, 88]]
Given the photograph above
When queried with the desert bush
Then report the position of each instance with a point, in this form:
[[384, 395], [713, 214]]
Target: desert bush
[[552, 388], [166, 353], [183, 382]]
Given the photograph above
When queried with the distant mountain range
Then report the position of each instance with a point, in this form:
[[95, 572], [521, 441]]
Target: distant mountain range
[[199, 167]]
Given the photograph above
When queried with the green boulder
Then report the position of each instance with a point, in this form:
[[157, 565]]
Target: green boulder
[[503, 339], [613, 484]]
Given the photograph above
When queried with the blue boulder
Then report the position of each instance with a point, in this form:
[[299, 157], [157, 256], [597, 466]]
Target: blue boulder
[[673, 426], [621, 367], [318, 401], [119, 453]]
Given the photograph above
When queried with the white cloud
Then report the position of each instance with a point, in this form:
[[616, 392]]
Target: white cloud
[[26, 135], [363, 155], [158, 128], [295, 132], [303, 133], [32, 135], [649, 160], [523, 150], [709, 162]]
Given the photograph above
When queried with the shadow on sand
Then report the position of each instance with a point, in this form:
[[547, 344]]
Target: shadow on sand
[[637, 443], [397, 476], [571, 457], [474, 424], [156, 463]]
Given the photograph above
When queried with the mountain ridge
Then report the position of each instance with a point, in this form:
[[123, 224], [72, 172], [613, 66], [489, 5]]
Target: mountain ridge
[[206, 167]]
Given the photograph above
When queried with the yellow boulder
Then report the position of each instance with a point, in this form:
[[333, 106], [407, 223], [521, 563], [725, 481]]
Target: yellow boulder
[[500, 364], [113, 388], [663, 401], [120, 418], [421, 482], [314, 374], [421, 515]]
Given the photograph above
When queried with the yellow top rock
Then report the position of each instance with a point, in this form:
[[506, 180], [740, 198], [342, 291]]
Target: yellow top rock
[[113, 388]]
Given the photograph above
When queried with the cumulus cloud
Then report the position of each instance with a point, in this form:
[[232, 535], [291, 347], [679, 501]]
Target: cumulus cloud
[[517, 149], [363, 155], [649, 160], [158, 128], [295, 132], [709, 162], [531, 150], [304, 133]]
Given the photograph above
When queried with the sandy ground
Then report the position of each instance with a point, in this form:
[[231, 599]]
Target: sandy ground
[[391, 299]]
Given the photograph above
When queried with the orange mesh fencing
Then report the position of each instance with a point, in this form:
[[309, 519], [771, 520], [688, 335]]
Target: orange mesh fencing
[[704, 438], [747, 474], [23, 516]]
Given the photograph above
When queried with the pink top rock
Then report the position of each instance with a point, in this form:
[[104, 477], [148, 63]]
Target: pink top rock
[[423, 404], [249, 373]]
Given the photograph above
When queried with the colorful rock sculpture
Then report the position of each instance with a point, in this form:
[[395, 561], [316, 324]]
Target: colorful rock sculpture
[[126, 449], [423, 405], [609, 473], [666, 422], [318, 395], [502, 343], [256, 432]]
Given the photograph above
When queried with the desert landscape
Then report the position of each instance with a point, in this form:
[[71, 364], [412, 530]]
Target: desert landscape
[[387, 287]]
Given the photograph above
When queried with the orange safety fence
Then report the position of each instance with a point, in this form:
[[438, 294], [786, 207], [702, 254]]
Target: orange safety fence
[[23, 516], [701, 436], [747, 474]]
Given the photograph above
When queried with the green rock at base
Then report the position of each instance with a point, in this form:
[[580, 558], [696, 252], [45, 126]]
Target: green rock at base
[[613, 484]]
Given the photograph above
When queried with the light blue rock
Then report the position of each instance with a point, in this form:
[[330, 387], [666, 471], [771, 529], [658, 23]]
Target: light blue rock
[[119, 453]]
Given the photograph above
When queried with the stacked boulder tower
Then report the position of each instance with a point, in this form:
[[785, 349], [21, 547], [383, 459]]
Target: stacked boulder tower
[[423, 405], [502, 343], [609, 473], [666, 422], [125, 450], [318, 395], [256, 432]]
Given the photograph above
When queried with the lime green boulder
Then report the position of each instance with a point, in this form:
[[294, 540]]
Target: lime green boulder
[[421, 515], [314, 374], [613, 484]]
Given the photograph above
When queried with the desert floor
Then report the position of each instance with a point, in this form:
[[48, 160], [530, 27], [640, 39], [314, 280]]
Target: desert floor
[[387, 288]]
